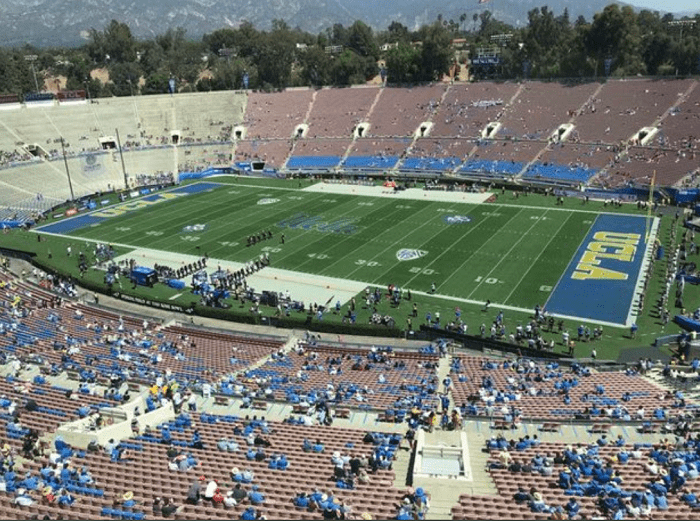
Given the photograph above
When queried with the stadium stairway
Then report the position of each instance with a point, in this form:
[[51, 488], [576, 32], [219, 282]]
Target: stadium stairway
[[410, 147], [445, 492]]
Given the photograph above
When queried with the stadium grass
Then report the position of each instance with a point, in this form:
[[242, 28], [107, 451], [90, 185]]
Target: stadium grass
[[512, 252]]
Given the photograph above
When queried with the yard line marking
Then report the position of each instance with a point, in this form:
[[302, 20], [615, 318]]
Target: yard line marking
[[507, 255], [456, 271], [175, 296], [537, 259], [452, 248], [372, 240], [393, 244], [321, 238]]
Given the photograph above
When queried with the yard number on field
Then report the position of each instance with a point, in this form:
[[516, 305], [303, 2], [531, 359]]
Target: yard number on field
[[371, 264], [319, 256], [490, 280], [422, 271]]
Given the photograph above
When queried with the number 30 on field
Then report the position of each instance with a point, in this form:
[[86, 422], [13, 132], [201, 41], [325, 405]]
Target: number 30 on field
[[490, 280], [422, 271]]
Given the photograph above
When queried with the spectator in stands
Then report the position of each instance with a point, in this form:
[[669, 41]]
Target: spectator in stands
[[65, 499], [196, 442], [194, 493], [572, 508], [255, 496], [210, 489], [169, 508], [24, 497]]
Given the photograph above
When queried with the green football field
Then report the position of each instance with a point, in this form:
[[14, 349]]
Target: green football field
[[510, 254]]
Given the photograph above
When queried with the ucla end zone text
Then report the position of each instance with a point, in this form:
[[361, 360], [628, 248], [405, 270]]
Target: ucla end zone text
[[601, 279]]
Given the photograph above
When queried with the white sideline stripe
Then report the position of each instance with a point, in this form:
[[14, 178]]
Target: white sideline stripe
[[639, 286], [318, 288], [494, 305], [343, 289]]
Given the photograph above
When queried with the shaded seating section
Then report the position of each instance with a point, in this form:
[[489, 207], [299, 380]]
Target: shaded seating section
[[634, 473], [200, 157], [400, 110], [351, 376], [336, 112], [548, 392], [270, 116], [467, 109], [272, 152], [541, 107], [623, 107]]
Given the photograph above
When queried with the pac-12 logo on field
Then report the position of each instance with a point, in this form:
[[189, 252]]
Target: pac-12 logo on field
[[268, 200], [194, 228], [409, 254], [456, 219]]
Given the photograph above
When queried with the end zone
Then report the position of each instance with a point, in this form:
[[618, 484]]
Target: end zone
[[601, 280], [72, 224]]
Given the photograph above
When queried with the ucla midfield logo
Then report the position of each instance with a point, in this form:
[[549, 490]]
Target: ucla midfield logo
[[194, 228], [456, 219], [410, 254]]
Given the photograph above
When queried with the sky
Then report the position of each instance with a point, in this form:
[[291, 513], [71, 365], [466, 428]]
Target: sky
[[673, 6]]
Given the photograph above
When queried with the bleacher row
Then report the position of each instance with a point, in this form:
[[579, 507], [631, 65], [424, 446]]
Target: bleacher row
[[95, 344], [606, 119], [39, 329], [635, 478], [602, 149]]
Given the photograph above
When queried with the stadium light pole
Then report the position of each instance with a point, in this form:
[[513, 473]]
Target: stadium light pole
[[121, 156], [31, 58], [65, 162]]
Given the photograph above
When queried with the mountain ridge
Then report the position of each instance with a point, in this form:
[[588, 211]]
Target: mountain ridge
[[67, 22]]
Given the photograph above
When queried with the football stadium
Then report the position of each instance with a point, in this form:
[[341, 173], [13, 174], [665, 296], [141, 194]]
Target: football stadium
[[449, 301]]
